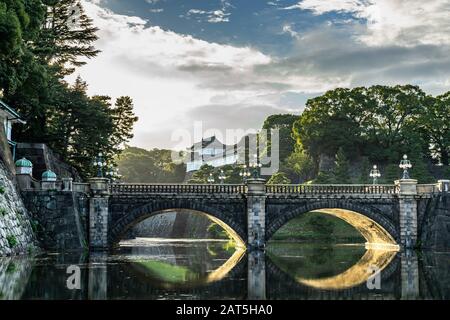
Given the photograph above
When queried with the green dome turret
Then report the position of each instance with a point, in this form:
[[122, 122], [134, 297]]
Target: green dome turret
[[24, 163], [49, 175]]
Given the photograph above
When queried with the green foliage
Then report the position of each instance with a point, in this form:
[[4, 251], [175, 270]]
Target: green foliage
[[3, 212], [12, 267], [2, 190], [364, 171], [201, 176], [341, 170], [41, 43], [420, 171], [378, 124], [321, 225], [392, 173], [304, 228], [299, 166], [217, 232], [279, 178], [434, 125], [149, 166], [12, 241], [325, 177], [284, 123]]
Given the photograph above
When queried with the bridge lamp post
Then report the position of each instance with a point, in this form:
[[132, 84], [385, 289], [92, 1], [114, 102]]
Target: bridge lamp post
[[375, 174], [405, 164], [210, 179], [99, 163], [244, 173], [222, 176], [113, 174], [255, 165]]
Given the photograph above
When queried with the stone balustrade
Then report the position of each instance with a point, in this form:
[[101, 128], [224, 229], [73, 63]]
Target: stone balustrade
[[177, 188]]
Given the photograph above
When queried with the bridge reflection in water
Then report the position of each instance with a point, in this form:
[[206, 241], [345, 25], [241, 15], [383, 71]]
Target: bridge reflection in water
[[213, 270]]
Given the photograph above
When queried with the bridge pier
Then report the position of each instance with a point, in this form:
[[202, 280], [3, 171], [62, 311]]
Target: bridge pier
[[98, 213], [256, 213], [408, 212]]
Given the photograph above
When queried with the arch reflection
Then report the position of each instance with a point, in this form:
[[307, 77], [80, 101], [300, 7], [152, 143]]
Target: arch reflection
[[186, 264], [311, 265]]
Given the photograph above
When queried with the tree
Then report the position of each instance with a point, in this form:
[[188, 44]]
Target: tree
[[201, 176], [123, 119], [392, 173], [138, 165], [284, 123], [321, 225], [365, 168], [66, 35], [434, 123], [299, 166], [279, 178], [341, 170]]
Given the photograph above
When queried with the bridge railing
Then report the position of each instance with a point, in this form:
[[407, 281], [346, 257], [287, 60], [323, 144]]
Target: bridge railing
[[428, 188], [177, 188], [331, 189]]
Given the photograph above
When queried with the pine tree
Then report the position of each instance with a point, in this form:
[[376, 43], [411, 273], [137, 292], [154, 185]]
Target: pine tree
[[392, 173], [67, 35], [364, 171], [123, 119], [342, 168]]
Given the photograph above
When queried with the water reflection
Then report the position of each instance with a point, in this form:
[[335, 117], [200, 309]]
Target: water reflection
[[183, 263], [331, 267], [214, 270]]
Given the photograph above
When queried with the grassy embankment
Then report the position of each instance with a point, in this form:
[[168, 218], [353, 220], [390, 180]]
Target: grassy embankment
[[318, 227]]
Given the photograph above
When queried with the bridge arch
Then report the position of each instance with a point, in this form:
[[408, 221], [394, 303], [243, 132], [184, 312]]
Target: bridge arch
[[376, 228], [134, 216]]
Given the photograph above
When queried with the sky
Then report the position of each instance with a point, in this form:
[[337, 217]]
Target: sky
[[228, 64]]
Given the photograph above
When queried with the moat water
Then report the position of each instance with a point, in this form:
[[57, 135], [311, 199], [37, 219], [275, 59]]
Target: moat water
[[206, 269]]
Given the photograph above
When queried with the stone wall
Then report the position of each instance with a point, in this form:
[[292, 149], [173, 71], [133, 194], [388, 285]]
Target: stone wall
[[16, 232], [61, 218], [173, 225], [434, 222]]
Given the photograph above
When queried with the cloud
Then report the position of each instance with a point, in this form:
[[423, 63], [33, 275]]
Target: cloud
[[169, 75], [176, 79], [214, 16], [400, 22], [320, 7]]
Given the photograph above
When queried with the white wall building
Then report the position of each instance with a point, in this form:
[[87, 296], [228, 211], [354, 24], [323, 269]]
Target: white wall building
[[212, 152]]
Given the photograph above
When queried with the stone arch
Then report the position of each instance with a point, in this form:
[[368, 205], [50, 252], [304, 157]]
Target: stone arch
[[368, 220], [136, 215]]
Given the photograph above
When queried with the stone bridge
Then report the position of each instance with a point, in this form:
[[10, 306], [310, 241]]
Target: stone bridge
[[387, 215]]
